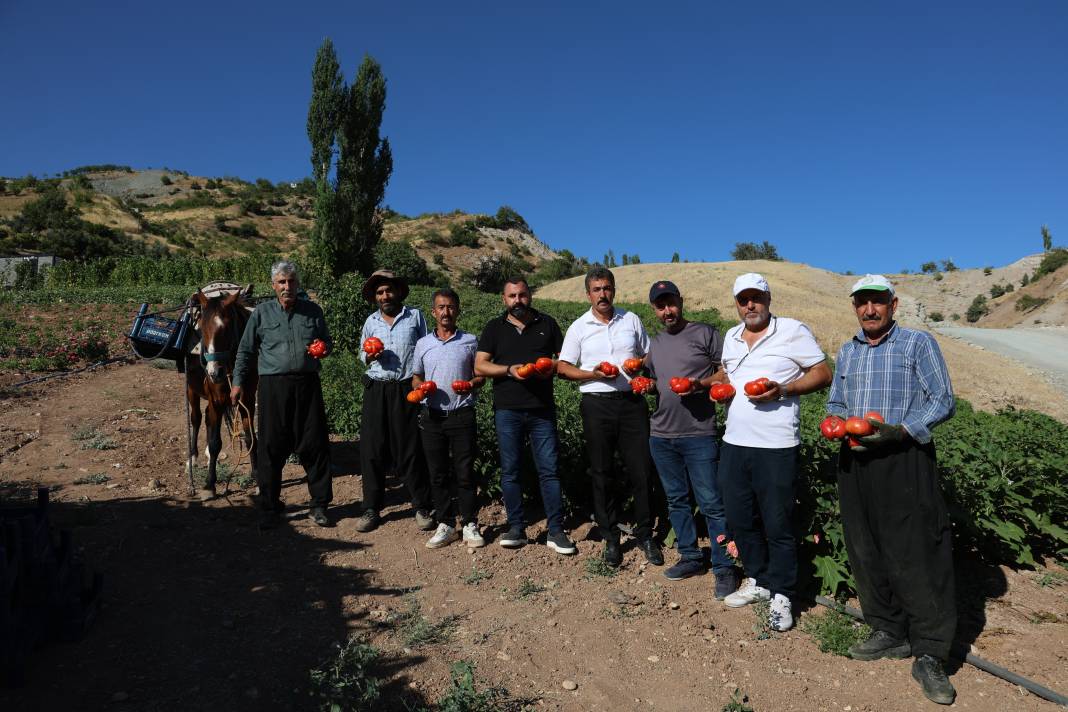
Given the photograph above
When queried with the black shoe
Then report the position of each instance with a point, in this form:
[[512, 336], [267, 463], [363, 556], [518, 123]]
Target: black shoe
[[652, 551], [318, 515], [268, 520], [514, 538], [726, 583], [684, 569], [880, 645], [368, 521], [928, 671], [560, 543], [613, 555]]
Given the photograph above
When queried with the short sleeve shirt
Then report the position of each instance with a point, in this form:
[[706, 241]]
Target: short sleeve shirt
[[589, 341], [786, 349], [693, 352], [444, 362], [507, 344]]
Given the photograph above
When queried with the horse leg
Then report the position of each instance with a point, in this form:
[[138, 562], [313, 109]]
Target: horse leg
[[194, 428], [214, 433]]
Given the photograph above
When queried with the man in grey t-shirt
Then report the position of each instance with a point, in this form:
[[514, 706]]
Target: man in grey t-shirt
[[682, 439]]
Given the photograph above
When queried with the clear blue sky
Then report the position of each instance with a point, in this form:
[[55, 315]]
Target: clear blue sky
[[852, 138]]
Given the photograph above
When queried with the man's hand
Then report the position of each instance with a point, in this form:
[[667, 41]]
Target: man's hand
[[885, 434], [771, 394], [372, 356], [235, 394]]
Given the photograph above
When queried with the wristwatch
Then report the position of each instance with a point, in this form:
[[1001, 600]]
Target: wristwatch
[[782, 391]]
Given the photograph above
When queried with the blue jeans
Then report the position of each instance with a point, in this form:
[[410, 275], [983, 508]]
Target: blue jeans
[[692, 462], [513, 428]]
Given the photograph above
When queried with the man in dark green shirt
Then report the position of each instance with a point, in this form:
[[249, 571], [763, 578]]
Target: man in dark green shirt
[[292, 417]]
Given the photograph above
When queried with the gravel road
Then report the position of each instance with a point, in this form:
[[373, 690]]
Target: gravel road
[[1044, 350]]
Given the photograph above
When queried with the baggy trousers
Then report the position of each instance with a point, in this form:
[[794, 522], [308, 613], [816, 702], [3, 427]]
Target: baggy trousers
[[898, 538], [389, 436], [759, 491], [610, 424], [450, 440], [292, 419]]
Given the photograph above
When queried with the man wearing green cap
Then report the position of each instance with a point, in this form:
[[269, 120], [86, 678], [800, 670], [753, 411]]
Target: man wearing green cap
[[895, 521]]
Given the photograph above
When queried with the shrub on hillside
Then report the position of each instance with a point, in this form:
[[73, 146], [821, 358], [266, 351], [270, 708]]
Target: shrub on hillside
[[1026, 302], [936, 316], [977, 309], [401, 258], [753, 251], [1052, 261]]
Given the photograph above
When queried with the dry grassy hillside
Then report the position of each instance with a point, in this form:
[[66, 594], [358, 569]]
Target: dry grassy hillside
[[820, 299]]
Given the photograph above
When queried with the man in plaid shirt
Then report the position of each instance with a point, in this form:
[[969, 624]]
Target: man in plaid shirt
[[896, 524]]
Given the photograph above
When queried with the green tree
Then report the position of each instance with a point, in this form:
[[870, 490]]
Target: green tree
[[948, 266], [753, 251], [635, 259], [977, 309], [625, 259], [348, 224], [674, 256], [929, 268], [1047, 239]]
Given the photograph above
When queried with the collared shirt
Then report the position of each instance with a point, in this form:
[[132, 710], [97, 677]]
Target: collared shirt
[[589, 341], [507, 344], [694, 352], [444, 362], [277, 340], [782, 354], [395, 363], [903, 377]]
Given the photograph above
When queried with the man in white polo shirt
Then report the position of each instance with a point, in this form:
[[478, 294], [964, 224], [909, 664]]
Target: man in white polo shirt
[[613, 417], [758, 462]]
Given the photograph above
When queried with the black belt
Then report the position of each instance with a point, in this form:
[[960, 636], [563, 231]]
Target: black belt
[[438, 413], [618, 395]]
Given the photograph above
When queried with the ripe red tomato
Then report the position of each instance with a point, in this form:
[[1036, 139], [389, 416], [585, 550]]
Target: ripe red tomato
[[416, 396], [756, 388], [317, 348], [641, 384], [373, 345], [428, 387], [462, 387], [608, 369], [721, 392], [544, 366], [874, 415], [858, 426], [833, 428], [681, 385], [853, 442], [525, 371], [632, 364]]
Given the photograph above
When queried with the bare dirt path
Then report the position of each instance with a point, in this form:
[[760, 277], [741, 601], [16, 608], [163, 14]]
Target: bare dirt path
[[1045, 350], [203, 612]]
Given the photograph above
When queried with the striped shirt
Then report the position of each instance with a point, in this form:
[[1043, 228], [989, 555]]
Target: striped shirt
[[444, 362], [395, 363], [903, 377]]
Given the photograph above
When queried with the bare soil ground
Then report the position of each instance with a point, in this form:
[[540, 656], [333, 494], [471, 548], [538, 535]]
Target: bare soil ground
[[820, 299], [203, 612]]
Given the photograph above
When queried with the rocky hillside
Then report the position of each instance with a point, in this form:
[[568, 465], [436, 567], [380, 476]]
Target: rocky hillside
[[219, 217]]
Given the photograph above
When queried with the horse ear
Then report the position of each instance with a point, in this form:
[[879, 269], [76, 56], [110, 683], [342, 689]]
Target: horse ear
[[201, 298]]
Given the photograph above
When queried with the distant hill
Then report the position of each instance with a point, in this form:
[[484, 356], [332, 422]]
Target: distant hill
[[175, 212]]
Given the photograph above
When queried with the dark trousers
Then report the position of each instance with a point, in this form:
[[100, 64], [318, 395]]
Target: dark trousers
[[514, 427], [292, 419], [758, 486], [449, 444], [622, 424], [898, 537], [389, 437]]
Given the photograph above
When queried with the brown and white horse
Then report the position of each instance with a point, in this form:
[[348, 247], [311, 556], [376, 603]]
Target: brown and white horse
[[208, 377]]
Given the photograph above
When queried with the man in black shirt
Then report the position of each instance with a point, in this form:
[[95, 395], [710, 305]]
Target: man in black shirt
[[524, 407]]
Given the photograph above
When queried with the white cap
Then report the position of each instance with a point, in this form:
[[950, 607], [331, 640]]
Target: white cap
[[875, 282], [751, 280]]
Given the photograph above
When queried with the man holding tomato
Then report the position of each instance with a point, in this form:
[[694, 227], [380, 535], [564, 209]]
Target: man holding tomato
[[614, 418], [770, 361], [446, 358], [523, 407], [895, 521], [683, 434], [389, 422], [277, 342]]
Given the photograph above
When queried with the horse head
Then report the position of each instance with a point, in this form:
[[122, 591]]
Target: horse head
[[221, 326]]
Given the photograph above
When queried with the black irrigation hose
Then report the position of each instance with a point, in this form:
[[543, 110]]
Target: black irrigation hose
[[974, 660]]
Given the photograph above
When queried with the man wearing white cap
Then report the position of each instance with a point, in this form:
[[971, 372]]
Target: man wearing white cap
[[758, 462], [895, 521]]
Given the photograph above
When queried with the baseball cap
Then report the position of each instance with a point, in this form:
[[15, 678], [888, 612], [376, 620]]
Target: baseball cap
[[874, 282], [751, 280], [661, 288]]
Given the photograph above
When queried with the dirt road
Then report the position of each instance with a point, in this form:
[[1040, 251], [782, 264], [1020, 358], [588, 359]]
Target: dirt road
[[203, 612], [1045, 350]]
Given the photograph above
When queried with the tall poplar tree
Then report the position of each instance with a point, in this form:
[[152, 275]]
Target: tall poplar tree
[[344, 121]]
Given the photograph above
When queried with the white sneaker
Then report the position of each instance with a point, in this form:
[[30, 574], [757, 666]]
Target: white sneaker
[[444, 536], [472, 537], [781, 617], [747, 593]]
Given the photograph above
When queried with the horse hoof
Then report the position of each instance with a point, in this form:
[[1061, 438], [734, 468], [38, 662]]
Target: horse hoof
[[206, 494]]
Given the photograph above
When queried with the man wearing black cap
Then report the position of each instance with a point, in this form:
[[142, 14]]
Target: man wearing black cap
[[389, 431], [682, 434]]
